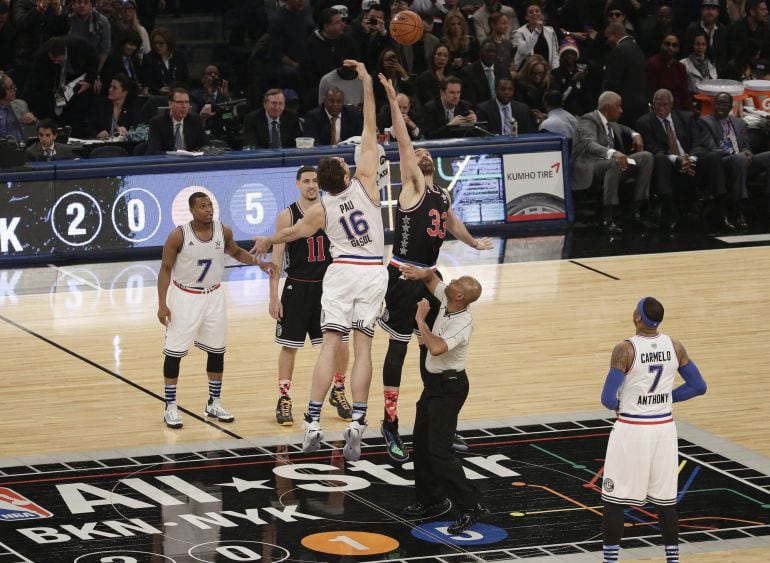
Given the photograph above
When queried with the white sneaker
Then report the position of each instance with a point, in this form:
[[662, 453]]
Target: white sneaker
[[313, 436], [171, 417], [352, 435], [214, 409]]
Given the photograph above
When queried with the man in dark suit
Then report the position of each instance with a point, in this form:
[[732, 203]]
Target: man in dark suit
[[599, 156], [728, 135], [178, 129], [271, 127], [334, 121], [624, 72], [480, 77], [500, 111], [717, 33], [47, 148], [680, 158], [443, 116]]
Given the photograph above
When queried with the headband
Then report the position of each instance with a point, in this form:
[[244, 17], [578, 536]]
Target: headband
[[645, 319]]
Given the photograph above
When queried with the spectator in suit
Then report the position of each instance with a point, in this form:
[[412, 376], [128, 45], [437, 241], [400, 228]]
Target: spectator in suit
[[753, 26], [535, 38], [697, 64], [482, 16], [333, 121], [558, 120], [447, 111], [479, 77], [48, 148], [599, 156], [680, 159], [716, 33], [385, 118], [664, 71], [59, 63], [502, 109], [178, 129], [625, 72], [439, 70], [16, 121], [728, 135], [258, 128], [36, 22], [117, 113], [164, 66]]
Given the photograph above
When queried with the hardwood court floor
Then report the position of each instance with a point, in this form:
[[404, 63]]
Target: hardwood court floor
[[82, 349]]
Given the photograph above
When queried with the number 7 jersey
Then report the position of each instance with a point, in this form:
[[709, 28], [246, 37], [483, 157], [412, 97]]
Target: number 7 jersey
[[200, 263], [645, 396], [354, 225]]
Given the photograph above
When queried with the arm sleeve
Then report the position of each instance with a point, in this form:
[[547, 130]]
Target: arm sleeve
[[612, 384], [693, 385]]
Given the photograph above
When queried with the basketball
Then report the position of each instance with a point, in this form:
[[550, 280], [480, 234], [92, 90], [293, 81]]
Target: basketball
[[406, 28]]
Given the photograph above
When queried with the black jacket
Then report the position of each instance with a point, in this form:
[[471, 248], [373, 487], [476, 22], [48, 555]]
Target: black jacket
[[161, 136], [256, 132], [489, 112], [318, 126]]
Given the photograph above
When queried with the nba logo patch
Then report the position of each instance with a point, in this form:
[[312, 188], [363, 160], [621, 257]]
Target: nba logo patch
[[13, 506]]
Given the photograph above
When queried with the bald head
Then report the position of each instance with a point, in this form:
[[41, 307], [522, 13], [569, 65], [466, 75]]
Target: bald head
[[471, 289]]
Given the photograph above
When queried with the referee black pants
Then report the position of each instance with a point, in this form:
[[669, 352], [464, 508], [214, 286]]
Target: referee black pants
[[438, 472]]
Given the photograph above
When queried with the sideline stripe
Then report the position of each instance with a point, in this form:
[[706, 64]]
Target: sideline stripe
[[116, 376], [741, 239], [593, 270]]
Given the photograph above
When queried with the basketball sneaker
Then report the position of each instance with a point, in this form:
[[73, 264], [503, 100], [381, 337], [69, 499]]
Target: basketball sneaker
[[283, 411], [214, 409], [396, 448], [468, 518], [352, 435], [171, 417], [459, 444], [313, 436], [337, 399], [419, 510]]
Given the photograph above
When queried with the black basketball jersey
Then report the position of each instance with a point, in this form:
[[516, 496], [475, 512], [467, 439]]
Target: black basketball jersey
[[420, 230], [306, 258]]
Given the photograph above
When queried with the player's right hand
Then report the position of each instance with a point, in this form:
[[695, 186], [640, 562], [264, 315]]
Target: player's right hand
[[276, 309], [164, 315], [261, 247]]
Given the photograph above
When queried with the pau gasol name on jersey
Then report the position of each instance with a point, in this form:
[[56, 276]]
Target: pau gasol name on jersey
[[131, 506]]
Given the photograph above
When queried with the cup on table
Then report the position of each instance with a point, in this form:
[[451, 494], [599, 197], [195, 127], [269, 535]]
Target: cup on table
[[305, 142]]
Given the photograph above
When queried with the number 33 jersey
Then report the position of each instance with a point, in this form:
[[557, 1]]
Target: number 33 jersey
[[200, 263], [354, 225], [645, 395]]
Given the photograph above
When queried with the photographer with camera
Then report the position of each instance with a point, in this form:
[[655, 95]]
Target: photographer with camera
[[370, 33]]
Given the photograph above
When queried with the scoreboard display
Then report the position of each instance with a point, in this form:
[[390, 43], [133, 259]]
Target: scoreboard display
[[62, 217]]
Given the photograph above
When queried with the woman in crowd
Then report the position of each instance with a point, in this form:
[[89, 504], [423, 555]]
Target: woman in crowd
[[698, 65], [534, 37], [428, 82], [532, 82], [500, 33], [389, 64], [130, 21], [463, 47], [117, 113], [124, 58], [164, 65]]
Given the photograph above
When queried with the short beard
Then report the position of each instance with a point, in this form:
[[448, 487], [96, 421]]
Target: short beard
[[426, 167]]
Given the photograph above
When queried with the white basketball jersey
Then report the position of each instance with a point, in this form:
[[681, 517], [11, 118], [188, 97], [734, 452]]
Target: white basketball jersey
[[200, 263], [646, 391], [354, 224]]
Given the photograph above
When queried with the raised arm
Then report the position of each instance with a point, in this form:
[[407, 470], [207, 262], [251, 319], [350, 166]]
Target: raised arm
[[458, 230], [366, 170], [425, 275]]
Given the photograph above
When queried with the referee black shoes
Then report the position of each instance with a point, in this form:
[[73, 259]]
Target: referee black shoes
[[420, 510], [468, 518]]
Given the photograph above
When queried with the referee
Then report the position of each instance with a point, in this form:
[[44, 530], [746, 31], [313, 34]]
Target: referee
[[443, 356]]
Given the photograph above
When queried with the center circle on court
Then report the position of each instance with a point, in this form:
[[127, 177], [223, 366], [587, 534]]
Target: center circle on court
[[348, 542]]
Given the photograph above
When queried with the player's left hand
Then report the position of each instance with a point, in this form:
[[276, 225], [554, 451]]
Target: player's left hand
[[261, 247], [483, 243], [423, 308], [387, 83], [267, 267], [360, 68]]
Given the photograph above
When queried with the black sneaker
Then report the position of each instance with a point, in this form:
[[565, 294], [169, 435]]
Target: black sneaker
[[337, 399], [396, 448], [467, 519], [418, 509], [458, 444], [283, 411]]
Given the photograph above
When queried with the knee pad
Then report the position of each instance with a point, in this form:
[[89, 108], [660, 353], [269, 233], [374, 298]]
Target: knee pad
[[215, 363], [171, 367], [394, 363]]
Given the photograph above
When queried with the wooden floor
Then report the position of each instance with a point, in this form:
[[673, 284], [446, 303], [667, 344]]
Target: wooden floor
[[543, 336]]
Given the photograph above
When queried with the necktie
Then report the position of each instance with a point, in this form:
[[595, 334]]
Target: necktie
[[490, 80], [610, 137], [333, 132], [178, 138], [729, 140], [48, 153], [673, 145], [506, 130], [275, 136], [449, 115]]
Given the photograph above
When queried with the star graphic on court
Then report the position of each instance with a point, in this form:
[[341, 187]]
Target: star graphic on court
[[244, 485]]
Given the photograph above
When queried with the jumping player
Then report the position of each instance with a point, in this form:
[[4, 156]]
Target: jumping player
[[355, 282], [298, 310], [423, 217], [191, 301], [641, 462]]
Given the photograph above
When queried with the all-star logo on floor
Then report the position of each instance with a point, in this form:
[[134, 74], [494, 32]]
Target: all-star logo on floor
[[540, 482]]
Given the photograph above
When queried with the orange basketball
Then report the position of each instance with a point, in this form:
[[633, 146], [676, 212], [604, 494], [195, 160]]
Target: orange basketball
[[406, 27]]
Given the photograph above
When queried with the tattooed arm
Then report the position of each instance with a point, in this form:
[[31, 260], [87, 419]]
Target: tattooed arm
[[619, 364]]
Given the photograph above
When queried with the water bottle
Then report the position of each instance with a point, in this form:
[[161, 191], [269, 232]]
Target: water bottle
[[514, 127]]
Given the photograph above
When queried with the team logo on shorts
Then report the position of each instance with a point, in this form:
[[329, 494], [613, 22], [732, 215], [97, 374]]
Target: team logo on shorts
[[14, 506], [278, 329], [323, 317], [608, 485], [385, 316]]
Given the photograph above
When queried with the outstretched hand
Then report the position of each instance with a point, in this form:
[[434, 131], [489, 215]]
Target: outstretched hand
[[484, 243], [363, 74], [411, 272], [261, 247], [387, 83]]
